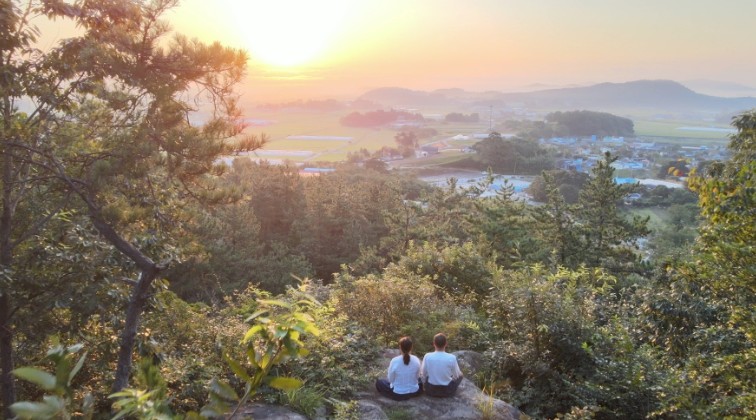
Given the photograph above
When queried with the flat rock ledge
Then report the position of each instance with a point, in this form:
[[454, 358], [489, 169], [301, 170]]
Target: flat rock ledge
[[469, 403]]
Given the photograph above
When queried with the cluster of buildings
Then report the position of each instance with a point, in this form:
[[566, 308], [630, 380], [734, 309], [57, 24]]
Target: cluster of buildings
[[637, 156]]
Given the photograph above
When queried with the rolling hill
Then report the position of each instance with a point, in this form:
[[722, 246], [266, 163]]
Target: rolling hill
[[665, 95]]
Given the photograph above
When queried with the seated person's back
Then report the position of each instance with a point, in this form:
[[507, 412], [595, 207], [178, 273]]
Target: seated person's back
[[440, 370]]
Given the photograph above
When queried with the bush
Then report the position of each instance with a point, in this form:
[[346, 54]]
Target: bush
[[396, 304]]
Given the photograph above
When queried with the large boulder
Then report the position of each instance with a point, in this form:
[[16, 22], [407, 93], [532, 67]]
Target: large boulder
[[470, 362], [468, 403], [266, 411]]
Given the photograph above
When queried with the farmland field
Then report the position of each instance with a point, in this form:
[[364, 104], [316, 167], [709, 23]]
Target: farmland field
[[683, 132], [321, 137], [327, 143]]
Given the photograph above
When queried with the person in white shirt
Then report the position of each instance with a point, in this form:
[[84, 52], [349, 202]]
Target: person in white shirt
[[403, 380], [440, 370]]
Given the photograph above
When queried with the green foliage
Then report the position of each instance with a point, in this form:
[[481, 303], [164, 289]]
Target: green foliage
[[559, 345], [592, 232], [306, 400], [187, 340], [337, 356], [569, 183], [727, 195], [588, 123], [716, 377], [457, 269], [147, 403], [399, 413], [346, 410], [406, 142], [278, 327], [505, 226], [512, 156], [58, 402]]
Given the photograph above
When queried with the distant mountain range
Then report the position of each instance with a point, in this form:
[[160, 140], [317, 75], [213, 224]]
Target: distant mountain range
[[660, 95]]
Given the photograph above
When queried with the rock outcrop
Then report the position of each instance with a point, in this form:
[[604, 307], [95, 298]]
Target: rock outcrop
[[469, 403]]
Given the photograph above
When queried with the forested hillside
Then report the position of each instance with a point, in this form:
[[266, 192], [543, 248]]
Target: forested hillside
[[143, 278]]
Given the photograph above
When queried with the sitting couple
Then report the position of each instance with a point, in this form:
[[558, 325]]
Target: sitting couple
[[437, 376]]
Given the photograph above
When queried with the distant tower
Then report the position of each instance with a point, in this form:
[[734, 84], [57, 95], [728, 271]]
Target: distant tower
[[490, 118]]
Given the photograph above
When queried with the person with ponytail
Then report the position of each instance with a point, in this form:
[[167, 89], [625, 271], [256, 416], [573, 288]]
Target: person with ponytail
[[403, 380]]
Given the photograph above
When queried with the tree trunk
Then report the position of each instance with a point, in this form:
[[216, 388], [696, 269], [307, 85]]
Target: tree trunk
[[6, 355], [128, 335], [6, 260]]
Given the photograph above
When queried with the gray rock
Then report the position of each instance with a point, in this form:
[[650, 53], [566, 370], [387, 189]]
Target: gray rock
[[371, 411], [469, 403], [469, 361], [265, 411]]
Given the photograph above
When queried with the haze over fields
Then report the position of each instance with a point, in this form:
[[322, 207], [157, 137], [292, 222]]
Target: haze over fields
[[343, 48], [302, 49]]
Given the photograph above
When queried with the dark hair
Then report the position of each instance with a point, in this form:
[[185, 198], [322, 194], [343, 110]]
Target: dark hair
[[439, 340], [405, 344]]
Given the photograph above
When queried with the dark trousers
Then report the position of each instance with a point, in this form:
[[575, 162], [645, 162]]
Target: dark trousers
[[384, 388], [442, 390]]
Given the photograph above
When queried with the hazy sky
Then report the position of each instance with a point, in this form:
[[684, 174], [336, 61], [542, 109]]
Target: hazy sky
[[303, 48]]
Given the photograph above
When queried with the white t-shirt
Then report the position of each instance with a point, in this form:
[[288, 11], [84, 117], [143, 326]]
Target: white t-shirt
[[440, 368], [403, 378]]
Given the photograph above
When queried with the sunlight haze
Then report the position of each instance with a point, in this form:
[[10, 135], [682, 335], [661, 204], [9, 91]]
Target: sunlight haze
[[332, 48]]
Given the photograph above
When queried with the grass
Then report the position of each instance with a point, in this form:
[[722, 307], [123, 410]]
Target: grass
[[669, 130], [658, 217], [398, 413]]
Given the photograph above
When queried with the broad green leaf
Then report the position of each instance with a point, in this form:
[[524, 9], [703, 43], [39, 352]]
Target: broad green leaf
[[237, 368], [285, 384], [274, 302], [280, 333], [38, 377], [75, 348], [251, 333], [76, 368], [34, 410], [223, 390], [255, 315]]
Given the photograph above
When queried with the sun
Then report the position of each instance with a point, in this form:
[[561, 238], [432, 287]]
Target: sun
[[287, 33]]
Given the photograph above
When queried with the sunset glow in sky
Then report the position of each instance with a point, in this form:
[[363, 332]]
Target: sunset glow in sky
[[329, 48]]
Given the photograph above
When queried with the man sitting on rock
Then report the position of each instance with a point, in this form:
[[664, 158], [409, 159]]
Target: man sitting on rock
[[440, 370]]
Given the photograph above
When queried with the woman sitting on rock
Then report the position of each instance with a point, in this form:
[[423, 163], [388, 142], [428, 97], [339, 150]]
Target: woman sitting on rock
[[403, 380]]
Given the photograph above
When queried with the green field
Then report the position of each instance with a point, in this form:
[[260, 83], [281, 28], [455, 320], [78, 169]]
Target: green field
[[657, 216], [304, 123], [671, 133]]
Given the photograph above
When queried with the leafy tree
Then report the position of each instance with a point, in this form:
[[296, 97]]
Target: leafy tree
[[344, 213], [587, 123], [460, 117], [608, 239], [558, 226], [111, 126], [674, 168], [406, 142], [569, 184], [507, 227], [397, 303], [514, 156], [726, 196], [717, 378], [561, 343], [459, 269]]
